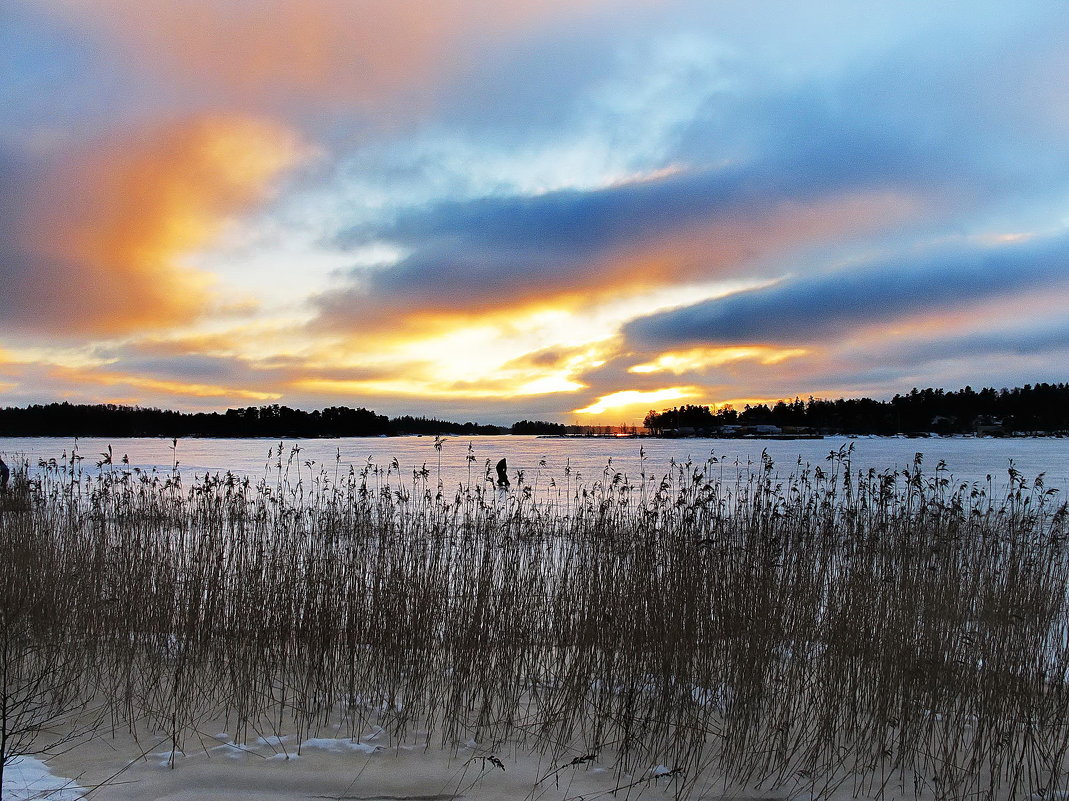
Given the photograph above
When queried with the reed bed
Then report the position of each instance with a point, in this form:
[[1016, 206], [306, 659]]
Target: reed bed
[[814, 630]]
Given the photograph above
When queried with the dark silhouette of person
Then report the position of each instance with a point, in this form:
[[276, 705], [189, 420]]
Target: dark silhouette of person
[[5, 474], [502, 474]]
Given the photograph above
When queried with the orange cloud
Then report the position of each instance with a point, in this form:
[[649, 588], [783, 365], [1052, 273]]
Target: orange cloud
[[334, 49], [421, 381], [105, 378], [7, 370], [106, 231], [679, 362]]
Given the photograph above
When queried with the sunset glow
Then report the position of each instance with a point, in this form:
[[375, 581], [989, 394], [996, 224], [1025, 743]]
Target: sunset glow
[[551, 210], [699, 358], [633, 399]]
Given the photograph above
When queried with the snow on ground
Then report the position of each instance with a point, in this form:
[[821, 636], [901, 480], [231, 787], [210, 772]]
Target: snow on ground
[[26, 778]]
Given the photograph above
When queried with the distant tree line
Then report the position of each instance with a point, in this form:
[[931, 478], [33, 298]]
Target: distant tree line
[[1038, 408], [538, 427], [111, 420]]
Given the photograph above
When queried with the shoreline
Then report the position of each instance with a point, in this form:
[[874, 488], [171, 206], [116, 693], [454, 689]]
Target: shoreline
[[121, 767]]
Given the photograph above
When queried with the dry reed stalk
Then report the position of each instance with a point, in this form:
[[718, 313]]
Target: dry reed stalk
[[890, 630]]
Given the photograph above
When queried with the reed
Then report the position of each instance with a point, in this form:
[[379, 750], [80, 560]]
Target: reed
[[803, 630]]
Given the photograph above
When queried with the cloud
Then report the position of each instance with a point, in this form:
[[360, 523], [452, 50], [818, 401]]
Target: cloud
[[309, 51], [47, 382], [630, 399], [752, 172], [1036, 340], [174, 363], [506, 186], [835, 304], [700, 359], [96, 246], [133, 382], [588, 221], [572, 247]]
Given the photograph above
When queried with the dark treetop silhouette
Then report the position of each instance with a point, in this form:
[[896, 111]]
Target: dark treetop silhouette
[[1032, 408]]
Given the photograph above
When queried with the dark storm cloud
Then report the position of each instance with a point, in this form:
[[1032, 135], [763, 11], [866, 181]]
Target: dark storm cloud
[[812, 309], [1041, 338], [485, 253]]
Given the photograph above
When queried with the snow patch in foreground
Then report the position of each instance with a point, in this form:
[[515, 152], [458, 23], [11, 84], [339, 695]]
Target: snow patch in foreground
[[340, 746], [26, 778]]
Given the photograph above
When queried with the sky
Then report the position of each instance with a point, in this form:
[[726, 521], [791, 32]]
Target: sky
[[573, 210]]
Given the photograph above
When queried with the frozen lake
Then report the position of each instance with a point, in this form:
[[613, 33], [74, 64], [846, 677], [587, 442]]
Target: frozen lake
[[542, 458]]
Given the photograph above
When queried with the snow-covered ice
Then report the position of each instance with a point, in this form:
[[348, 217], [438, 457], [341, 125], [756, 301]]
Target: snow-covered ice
[[27, 778]]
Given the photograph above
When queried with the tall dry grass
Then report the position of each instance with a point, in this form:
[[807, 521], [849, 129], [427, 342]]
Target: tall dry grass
[[888, 632]]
